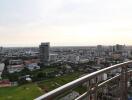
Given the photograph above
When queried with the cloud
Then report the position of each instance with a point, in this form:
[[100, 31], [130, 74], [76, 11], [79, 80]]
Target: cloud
[[68, 22]]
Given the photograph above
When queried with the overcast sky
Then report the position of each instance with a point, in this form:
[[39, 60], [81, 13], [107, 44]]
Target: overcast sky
[[65, 22]]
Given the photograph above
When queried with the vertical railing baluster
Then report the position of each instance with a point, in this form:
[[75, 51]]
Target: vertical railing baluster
[[88, 89], [96, 89], [123, 84]]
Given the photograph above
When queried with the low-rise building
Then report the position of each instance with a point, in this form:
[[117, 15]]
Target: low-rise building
[[2, 65], [32, 66], [15, 68], [5, 83], [15, 62], [53, 57]]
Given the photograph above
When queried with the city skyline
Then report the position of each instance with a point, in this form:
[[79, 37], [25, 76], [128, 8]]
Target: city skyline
[[65, 22]]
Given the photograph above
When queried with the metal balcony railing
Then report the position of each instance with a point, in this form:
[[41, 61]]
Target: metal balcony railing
[[110, 83]]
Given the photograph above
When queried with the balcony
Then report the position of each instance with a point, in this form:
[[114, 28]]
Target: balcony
[[111, 83]]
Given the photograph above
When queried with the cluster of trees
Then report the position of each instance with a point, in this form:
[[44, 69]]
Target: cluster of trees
[[36, 75], [40, 74]]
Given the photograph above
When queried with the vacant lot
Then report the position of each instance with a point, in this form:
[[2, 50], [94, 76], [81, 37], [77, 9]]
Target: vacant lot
[[33, 90], [25, 92]]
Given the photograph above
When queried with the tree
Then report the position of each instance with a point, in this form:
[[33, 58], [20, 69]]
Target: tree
[[25, 71], [40, 75], [13, 76]]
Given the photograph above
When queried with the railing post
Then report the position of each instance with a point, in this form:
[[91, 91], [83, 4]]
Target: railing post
[[123, 83], [88, 89], [96, 89]]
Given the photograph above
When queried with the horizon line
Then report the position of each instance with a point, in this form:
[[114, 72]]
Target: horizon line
[[61, 46]]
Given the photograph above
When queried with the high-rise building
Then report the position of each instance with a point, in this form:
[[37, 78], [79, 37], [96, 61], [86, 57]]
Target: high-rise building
[[100, 47], [44, 52], [100, 50], [1, 48], [119, 48]]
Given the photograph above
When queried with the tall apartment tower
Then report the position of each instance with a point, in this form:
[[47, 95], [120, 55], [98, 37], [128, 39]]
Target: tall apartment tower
[[44, 52]]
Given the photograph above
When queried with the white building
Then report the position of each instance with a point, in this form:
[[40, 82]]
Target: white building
[[15, 62], [15, 68], [2, 65], [84, 60], [32, 66], [73, 58], [53, 57]]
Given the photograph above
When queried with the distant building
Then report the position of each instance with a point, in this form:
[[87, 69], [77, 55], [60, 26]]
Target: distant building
[[119, 48], [16, 62], [99, 47], [15, 68], [2, 65], [116, 56], [53, 57], [1, 48], [84, 60], [73, 58], [5, 83], [44, 52], [100, 50], [32, 66]]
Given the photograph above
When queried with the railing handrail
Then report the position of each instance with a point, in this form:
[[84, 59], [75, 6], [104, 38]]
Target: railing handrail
[[79, 81]]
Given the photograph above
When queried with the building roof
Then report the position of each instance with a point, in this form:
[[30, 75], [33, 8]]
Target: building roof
[[5, 82]]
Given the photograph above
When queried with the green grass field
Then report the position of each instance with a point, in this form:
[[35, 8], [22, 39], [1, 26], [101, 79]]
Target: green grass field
[[58, 81], [33, 90], [25, 92]]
